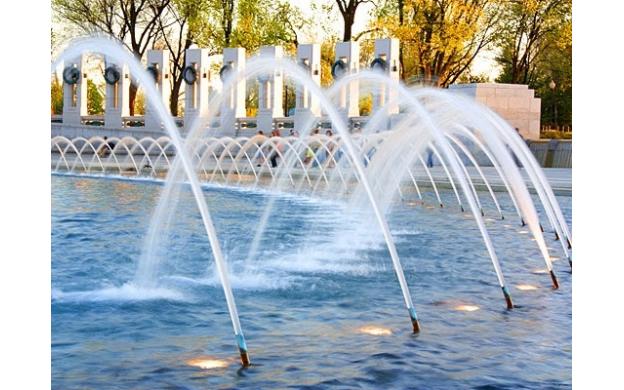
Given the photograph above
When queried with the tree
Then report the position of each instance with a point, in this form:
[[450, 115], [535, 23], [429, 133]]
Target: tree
[[249, 24], [258, 23], [179, 27], [95, 100], [347, 9], [267, 22], [135, 23], [474, 78], [56, 98], [175, 25], [440, 38], [531, 27], [536, 49]]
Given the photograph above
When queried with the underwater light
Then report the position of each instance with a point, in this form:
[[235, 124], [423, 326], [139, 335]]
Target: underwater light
[[526, 287], [540, 271], [208, 363], [466, 308], [374, 330]]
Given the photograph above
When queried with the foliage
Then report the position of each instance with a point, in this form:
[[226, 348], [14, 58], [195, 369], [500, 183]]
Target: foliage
[[95, 99], [139, 103], [258, 23], [132, 22], [555, 134], [466, 78], [536, 48], [440, 38], [530, 29], [56, 98], [327, 60], [366, 104]]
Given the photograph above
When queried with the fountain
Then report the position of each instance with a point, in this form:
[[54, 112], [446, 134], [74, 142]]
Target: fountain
[[366, 170]]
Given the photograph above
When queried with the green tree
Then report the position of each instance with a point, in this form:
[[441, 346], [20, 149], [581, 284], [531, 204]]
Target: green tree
[[474, 78], [531, 28], [536, 49], [249, 24], [95, 99]]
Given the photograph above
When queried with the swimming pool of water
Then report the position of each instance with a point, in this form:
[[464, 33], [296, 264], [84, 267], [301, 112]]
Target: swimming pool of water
[[321, 274]]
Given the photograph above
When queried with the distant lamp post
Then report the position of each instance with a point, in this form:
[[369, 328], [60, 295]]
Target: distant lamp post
[[552, 86]]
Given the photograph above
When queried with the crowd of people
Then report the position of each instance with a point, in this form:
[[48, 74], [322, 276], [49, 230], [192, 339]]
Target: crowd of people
[[316, 153]]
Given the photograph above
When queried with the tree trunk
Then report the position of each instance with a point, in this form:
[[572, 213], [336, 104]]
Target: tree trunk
[[132, 97], [348, 26], [175, 96]]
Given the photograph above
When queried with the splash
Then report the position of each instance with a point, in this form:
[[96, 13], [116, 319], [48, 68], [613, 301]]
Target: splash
[[126, 292]]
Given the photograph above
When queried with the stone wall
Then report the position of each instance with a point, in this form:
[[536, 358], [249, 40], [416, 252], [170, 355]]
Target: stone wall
[[516, 103]]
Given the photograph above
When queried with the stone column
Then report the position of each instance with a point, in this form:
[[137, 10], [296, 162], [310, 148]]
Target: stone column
[[234, 99], [347, 61], [74, 91], [386, 61], [270, 94], [117, 79], [197, 78], [307, 105], [158, 66]]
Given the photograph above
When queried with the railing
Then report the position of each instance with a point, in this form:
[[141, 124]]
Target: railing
[[552, 153], [549, 153], [99, 120]]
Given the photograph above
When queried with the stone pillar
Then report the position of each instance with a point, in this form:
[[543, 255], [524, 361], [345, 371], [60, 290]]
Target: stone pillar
[[307, 105], [117, 79], [347, 61], [197, 79], [74, 91], [158, 66], [386, 61], [270, 94], [234, 100]]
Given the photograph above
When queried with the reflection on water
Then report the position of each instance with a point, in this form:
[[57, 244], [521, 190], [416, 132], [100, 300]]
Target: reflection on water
[[526, 287], [208, 363], [466, 308], [375, 330]]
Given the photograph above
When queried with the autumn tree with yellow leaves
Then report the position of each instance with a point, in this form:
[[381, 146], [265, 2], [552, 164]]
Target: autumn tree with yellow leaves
[[439, 38]]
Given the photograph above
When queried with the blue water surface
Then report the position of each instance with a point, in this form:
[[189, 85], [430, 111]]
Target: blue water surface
[[320, 274]]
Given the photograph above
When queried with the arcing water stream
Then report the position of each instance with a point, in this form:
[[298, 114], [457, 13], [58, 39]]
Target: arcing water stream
[[367, 169]]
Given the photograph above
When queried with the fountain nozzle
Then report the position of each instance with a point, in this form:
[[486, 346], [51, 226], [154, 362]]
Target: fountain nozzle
[[510, 304], [554, 280], [244, 358], [414, 318], [242, 348]]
